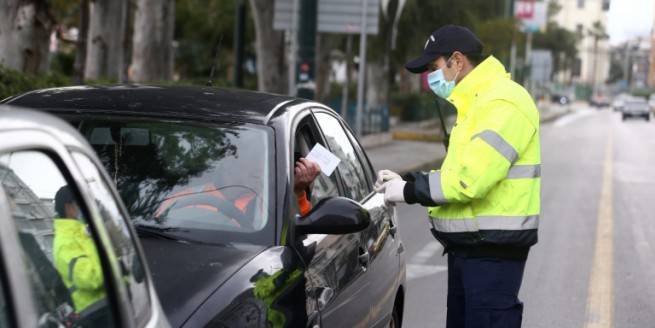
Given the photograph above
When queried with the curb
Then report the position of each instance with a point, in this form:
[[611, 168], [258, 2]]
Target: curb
[[436, 137], [436, 162], [417, 136]]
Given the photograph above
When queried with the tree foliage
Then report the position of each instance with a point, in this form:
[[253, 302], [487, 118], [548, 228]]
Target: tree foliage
[[560, 41], [199, 25]]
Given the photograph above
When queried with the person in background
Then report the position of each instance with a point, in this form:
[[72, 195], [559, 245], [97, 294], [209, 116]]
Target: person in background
[[484, 202]]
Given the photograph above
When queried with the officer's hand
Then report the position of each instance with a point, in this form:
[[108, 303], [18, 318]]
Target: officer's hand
[[393, 191], [385, 176]]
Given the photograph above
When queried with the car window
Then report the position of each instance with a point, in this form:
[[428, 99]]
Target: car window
[[130, 263], [61, 255], [206, 183], [323, 186], [366, 165], [350, 168]]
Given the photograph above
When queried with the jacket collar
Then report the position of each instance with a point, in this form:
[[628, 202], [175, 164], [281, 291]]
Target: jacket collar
[[69, 225], [481, 78]]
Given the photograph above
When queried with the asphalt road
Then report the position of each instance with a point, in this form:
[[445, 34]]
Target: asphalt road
[[594, 265]]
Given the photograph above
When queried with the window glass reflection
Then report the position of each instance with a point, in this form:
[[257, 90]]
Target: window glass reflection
[[60, 254], [350, 168], [130, 264]]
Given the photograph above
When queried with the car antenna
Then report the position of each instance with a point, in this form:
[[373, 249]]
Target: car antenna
[[211, 73]]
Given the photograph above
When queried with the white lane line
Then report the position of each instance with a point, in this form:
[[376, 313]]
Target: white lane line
[[415, 271], [428, 251], [416, 265], [600, 303], [568, 119]]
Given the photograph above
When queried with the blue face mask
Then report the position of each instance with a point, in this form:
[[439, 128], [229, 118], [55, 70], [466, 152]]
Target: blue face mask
[[438, 83], [81, 217]]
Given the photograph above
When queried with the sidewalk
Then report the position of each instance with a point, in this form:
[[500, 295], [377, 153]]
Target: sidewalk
[[417, 146]]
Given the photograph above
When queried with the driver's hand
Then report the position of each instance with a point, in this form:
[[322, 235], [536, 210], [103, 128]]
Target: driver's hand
[[304, 174]]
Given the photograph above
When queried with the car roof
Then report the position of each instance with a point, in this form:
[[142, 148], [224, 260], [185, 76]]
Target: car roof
[[194, 102], [15, 118]]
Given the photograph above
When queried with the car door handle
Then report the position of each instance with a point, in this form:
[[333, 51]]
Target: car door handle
[[379, 242], [393, 229], [363, 258]]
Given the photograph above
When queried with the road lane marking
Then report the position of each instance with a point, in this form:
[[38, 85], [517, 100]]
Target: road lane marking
[[415, 271], [600, 304], [417, 267], [568, 119]]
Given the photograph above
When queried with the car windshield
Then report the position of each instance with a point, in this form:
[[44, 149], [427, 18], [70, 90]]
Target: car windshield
[[636, 102], [188, 180]]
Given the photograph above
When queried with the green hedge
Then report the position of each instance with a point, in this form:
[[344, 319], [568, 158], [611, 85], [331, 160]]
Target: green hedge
[[414, 107], [13, 82]]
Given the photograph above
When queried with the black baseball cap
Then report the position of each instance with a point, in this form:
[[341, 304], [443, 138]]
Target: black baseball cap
[[446, 40]]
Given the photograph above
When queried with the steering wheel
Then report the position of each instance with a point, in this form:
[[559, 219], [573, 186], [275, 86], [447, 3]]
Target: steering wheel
[[226, 207]]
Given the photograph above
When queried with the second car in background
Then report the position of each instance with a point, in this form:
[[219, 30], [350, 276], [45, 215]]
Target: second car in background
[[636, 107]]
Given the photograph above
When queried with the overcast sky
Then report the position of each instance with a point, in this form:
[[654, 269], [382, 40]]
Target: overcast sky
[[629, 18]]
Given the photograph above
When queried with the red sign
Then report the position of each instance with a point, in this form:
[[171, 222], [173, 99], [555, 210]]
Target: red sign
[[524, 9]]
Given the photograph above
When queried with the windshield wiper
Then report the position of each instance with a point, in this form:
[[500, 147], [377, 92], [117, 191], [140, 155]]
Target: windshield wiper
[[156, 232]]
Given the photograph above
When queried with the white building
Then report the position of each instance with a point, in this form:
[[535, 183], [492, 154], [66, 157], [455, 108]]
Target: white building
[[593, 62]]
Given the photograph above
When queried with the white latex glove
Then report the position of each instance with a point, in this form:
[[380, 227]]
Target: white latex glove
[[385, 176], [393, 191]]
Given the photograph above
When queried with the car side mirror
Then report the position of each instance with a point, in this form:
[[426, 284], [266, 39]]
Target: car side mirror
[[333, 216]]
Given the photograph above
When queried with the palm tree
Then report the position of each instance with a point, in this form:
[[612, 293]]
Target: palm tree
[[597, 31]]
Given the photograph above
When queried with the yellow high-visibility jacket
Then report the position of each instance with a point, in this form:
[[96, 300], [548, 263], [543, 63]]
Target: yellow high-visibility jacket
[[76, 259], [487, 190]]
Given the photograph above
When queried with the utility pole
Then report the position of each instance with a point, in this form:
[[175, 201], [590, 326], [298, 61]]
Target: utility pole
[[509, 13], [239, 31], [307, 49], [361, 80]]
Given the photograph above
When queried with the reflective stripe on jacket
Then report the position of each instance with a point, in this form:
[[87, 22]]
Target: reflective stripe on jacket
[[488, 186], [77, 261]]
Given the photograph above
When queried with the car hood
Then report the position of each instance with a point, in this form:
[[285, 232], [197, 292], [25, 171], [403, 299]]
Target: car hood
[[186, 274]]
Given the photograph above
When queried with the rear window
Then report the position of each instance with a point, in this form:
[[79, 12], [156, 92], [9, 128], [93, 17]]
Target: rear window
[[208, 183]]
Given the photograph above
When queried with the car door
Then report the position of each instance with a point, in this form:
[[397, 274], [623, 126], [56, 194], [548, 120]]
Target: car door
[[83, 269], [337, 275], [380, 242], [15, 310]]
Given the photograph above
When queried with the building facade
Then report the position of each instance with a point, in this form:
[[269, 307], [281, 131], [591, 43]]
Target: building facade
[[592, 65]]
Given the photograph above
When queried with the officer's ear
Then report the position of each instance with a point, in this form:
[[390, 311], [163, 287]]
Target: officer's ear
[[459, 60]]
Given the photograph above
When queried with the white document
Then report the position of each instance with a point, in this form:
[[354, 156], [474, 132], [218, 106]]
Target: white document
[[325, 159]]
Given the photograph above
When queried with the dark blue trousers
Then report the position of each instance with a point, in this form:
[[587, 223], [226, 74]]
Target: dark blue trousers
[[483, 292]]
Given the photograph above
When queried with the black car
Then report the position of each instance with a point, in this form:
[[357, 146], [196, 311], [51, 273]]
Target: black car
[[207, 176], [559, 99], [46, 277]]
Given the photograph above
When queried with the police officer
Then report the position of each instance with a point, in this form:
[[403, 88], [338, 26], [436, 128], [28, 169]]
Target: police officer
[[483, 204], [77, 261]]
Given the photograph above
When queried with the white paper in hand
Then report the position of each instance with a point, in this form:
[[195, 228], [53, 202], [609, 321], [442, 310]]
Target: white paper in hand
[[325, 159]]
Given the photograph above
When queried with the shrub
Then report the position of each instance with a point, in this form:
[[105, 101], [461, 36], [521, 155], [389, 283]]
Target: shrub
[[414, 107], [13, 82]]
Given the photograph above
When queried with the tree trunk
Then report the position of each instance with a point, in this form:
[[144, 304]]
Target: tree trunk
[[79, 66], [377, 82], [323, 66], [152, 51], [105, 42], [271, 71], [25, 27]]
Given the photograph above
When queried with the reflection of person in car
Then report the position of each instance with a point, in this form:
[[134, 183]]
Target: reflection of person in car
[[303, 175], [76, 257]]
